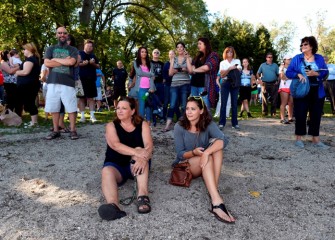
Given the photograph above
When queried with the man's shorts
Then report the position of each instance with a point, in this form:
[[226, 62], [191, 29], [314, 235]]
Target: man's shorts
[[99, 94], [58, 93], [90, 87]]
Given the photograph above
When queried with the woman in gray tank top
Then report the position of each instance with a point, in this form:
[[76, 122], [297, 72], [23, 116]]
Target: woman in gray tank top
[[180, 68]]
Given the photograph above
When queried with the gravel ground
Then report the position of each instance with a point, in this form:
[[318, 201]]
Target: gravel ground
[[51, 189]]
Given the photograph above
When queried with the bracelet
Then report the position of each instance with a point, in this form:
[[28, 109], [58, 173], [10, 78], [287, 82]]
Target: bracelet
[[193, 152]]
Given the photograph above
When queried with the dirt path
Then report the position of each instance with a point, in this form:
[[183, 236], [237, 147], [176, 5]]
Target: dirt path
[[51, 189]]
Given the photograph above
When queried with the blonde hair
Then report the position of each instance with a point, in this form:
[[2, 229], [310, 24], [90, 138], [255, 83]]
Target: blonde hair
[[32, 48], [230, 48]]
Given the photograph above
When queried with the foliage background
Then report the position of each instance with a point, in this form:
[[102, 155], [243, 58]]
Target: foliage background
[[119, 27]]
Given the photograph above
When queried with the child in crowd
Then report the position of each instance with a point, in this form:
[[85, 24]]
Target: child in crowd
[[14, 59], [254, 92]]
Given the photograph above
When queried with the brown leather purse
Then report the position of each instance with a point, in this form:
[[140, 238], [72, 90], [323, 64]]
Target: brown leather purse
[[181, 175]]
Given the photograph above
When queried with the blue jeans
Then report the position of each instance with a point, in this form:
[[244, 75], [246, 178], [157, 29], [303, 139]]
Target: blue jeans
[[225, 90], [144, 111], [178, 95], [196, 91]]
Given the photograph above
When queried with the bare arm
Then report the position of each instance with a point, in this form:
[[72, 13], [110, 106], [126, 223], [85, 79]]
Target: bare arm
[[68, 61], [5, 67], [50, 63], [27, 67]]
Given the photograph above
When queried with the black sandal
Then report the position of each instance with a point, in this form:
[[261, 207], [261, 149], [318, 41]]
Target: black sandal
[[53, 135], [143, 201], [224, 209], [110, 212]]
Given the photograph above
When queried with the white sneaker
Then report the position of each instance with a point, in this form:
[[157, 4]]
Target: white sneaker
[[82, 120], [30, 125], [93, 119]]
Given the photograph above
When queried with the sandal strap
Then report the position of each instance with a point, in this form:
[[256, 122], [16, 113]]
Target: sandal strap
[[222, 207], [143, 200]]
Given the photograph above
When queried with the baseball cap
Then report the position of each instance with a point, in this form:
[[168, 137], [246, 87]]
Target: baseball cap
[[287, 56]]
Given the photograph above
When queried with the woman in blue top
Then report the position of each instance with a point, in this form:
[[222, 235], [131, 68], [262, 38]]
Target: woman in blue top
[[191, 135], [245, 89], [311, 66]]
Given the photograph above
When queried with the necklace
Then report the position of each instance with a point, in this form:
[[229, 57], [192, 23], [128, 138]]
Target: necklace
[[307, 58]]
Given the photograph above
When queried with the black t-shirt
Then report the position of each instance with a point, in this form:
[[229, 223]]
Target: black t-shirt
[[158, 70], [88, 71], [198, 79], [120, 76], [33, 76]]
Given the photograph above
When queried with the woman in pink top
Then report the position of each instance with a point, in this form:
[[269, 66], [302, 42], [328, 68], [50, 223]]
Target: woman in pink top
[[144, 81]]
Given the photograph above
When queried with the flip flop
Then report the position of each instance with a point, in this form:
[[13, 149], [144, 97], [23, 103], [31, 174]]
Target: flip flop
[[110, 212]]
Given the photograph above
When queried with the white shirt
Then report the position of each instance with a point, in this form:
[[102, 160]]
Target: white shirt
[[224, 65]]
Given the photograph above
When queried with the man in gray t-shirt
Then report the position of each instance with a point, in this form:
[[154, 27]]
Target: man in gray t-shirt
[[267, 76], [61, 59]]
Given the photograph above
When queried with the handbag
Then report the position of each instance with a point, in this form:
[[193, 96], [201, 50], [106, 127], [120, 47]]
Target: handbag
[[234, 77], [10, 118], [181, 175], [79, 88], [299, 89]]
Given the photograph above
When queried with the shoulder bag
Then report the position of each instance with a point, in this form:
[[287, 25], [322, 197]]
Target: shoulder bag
[[298, 88]]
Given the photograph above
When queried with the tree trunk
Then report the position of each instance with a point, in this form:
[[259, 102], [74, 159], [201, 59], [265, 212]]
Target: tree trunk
[[85, 14]]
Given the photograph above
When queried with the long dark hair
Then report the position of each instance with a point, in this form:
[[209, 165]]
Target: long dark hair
[[204, 120], [72, 40], [201, 57], [4, 55], [139, 59], [136, 118]]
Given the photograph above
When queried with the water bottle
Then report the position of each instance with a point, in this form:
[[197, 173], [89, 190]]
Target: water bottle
[[145, 96]]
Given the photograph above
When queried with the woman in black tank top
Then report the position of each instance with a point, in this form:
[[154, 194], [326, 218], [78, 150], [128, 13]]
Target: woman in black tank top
[[128, 154]]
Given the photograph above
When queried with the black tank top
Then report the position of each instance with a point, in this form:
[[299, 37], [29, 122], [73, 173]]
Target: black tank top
[[132, 139]]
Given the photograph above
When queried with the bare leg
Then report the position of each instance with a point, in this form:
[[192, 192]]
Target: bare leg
[[290, 107], [55, 120], [72, 117], [284, 100], [34, 119], [109, 179], [218, 159]]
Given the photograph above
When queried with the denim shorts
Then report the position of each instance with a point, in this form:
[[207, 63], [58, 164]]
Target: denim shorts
[[125, 171]]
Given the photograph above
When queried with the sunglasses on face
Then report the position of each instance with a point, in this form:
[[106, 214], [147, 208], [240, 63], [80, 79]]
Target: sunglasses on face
[[156, 52], [197, 98], [269, 57], [304, 44]]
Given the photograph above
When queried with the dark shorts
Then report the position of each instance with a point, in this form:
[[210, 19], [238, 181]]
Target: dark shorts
[[125, 171], [89, 86], [119, 91]]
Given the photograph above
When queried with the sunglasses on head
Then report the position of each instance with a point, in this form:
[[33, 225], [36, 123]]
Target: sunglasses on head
[[197, 98]]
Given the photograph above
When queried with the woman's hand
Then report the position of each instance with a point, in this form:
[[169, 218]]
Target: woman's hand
[[141, 153], [301, 78], [138, 167]]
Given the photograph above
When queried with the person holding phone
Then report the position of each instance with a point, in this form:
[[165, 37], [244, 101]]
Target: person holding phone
[[128, 154], [230, 67], [199, 141], [308, 65], [180, 68]]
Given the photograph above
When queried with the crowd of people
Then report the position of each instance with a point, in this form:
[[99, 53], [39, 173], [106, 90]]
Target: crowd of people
[[183, 89]]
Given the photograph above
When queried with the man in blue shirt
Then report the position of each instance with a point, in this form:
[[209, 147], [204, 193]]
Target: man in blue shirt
[[267, 76], [329, 85]]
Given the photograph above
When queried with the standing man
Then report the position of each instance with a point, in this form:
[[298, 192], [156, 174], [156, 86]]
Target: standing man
[[267, 76], [61, 59], [119, 77], [87, 72], [329, 85], [158, 70]]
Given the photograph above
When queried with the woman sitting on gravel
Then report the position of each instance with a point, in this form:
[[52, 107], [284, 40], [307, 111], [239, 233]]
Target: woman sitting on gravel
[[195, 131], [129, 151]]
